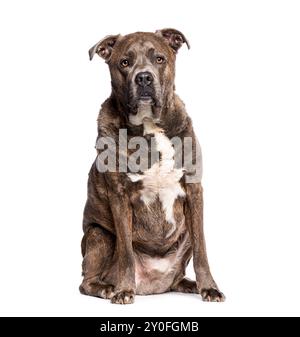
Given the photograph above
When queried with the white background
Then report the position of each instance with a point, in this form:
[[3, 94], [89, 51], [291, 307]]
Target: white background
[[241, 84]]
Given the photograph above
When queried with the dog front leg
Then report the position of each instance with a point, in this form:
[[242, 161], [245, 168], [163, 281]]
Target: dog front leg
[[125, 278], [194, 218]]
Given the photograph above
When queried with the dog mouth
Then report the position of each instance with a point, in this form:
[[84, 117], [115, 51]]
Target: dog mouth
[[145, 97], [146, 94]]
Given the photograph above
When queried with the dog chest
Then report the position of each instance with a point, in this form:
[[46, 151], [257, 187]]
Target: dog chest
[[162, 180]]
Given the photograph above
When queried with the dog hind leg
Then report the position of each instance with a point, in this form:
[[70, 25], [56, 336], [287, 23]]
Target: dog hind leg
[[185, 286], [97, 250]]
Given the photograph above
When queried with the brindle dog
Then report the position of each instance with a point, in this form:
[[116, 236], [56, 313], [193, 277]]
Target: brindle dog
[[141, 229]]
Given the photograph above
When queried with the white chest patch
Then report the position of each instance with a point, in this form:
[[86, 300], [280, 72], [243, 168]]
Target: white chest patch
[[162, 179]]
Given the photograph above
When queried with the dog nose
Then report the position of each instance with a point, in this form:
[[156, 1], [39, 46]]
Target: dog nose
[[144, 79]]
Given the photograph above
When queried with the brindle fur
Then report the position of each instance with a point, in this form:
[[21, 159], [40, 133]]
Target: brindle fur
[[121, 235]]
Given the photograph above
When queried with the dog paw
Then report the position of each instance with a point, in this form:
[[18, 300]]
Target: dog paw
[[123, 297], [212, 295], [106, 291], [97, 289]]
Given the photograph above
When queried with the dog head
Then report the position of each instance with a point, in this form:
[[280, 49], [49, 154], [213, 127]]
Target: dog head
[[142, 68]]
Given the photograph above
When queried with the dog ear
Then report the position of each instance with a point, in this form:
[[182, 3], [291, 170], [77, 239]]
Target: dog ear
[[104, 47], [173, 37]]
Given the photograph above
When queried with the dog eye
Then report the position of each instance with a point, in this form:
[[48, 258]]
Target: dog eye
[[159, 59], [124, 63]]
